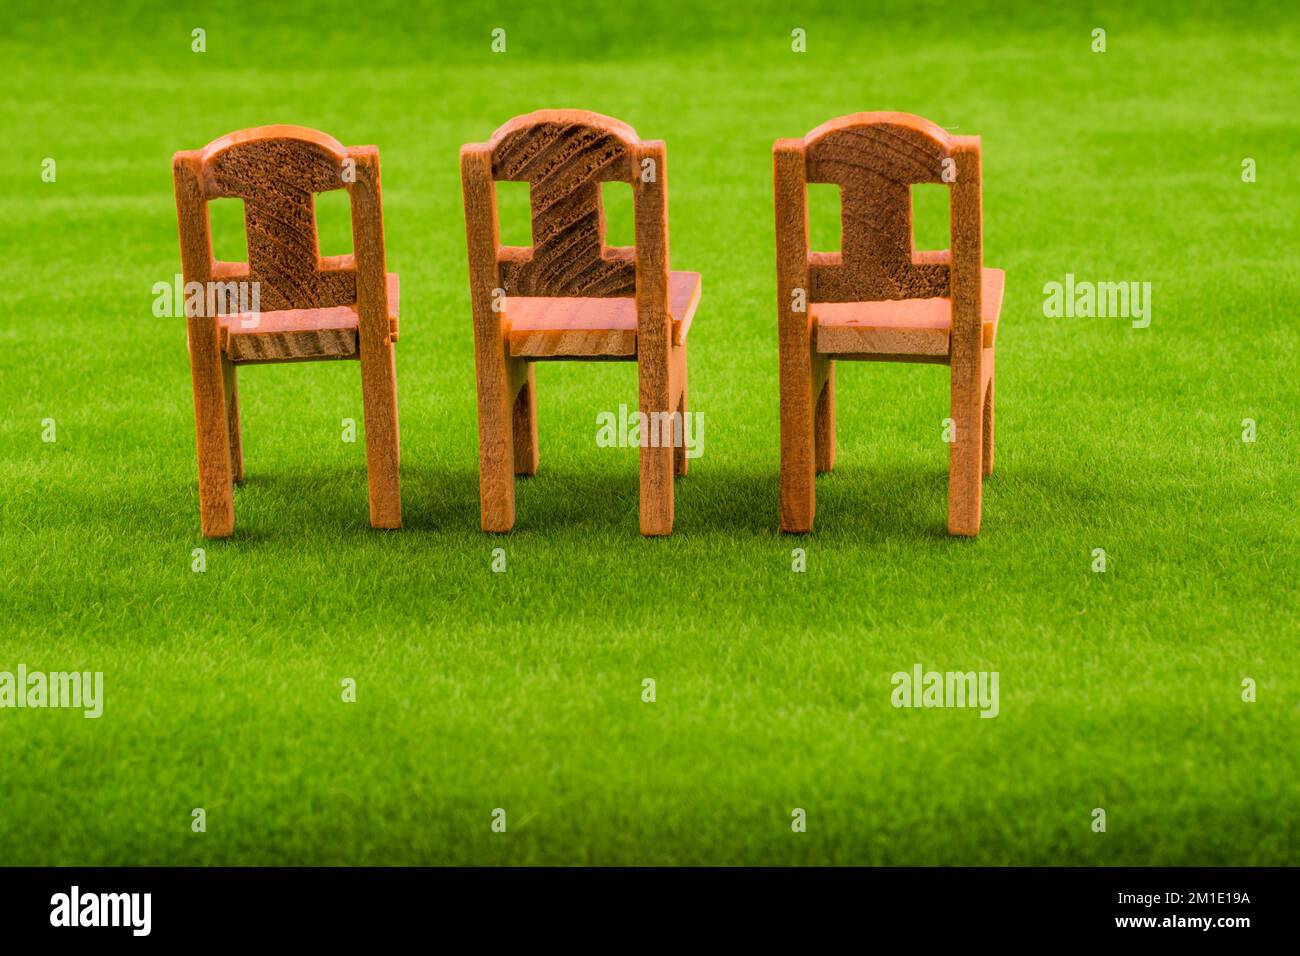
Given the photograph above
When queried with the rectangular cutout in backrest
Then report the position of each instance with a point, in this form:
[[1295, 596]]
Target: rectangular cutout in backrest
[[333, 222], [825, 218], [515, 213], [930, 216], [620, 213], [229, 230]]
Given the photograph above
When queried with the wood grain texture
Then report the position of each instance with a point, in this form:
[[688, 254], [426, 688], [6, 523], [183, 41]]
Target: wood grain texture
[[524, 424], [801, 368], [499, 377], [276, 171], [210, 378], [567, 328], [824, 422], [879, 298], [966, 358], [310, 307], [570, 296], [565, 155], [230, 393], [900, 326], [875, 159], [300, 334], [374, 341], [988, 412], [654, 345]]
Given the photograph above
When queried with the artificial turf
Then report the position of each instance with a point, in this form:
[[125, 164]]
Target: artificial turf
[[522, 690]]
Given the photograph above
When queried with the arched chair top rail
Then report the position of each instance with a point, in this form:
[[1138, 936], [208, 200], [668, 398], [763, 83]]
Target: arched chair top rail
[[578, 143], [279, 131], [876, 158], [297, 152], [565, 156], [578, 118], [915, 127]]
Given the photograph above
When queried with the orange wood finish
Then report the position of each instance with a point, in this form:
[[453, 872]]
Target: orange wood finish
[[575, 328], [901, 326], [310, 307], [299, 334], [879, 299], [569, 295]]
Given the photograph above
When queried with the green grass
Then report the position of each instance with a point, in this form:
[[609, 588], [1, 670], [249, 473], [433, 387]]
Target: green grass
[[523, 690]]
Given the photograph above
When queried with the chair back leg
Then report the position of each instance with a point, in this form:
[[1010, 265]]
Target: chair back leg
[[231, 391], [524, 424], [680, 462], [824, 420], [988, 423]]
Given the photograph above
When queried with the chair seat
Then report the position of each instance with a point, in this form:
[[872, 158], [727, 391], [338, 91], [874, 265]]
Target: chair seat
[[586, 328], [901, 327], [292, 335]]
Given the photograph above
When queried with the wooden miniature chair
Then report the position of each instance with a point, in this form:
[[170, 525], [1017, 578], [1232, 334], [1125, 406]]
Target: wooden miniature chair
[[337, 307], [570, 296], [879, 299]]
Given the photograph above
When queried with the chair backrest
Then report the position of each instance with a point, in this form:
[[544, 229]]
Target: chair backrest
[[565, 155], [276, 170], [875, 159]]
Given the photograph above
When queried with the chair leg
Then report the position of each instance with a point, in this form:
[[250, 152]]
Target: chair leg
[[965, 476], [824, 421], [680, 461], [499, 381], [379, 401], [798, 444], [656, 484], [654, 373], [231, 390], [988, 428], [524, 424], [212, 433]]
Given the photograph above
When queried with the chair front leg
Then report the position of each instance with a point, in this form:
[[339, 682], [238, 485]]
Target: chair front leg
[[379, 400], [657, 451], [499, 382], [965, 470], [212, 431], [798, 431]]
